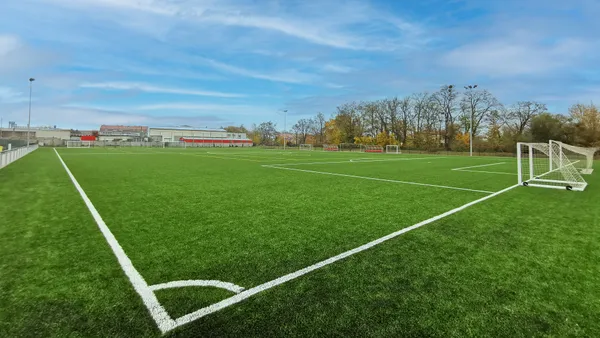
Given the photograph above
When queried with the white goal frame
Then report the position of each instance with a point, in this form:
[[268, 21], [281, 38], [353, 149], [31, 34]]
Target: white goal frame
[[331, 147], [581, 157], [544, 165], [306, 147], [79, 144], [392, 149]]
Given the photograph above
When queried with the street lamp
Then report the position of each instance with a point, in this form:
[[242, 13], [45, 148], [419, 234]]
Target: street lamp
[[471, 87], [29, 118]]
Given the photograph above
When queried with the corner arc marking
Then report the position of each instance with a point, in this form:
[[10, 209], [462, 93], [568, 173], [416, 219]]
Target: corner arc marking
[[197, 282]]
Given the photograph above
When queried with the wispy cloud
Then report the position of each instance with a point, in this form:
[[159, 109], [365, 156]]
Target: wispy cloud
[[289, 76], [9, 95], [511, 57], [336, 68], [156, 89]]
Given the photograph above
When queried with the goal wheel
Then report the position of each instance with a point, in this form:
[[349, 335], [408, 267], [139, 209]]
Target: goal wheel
[[525, 184], [569, 187]]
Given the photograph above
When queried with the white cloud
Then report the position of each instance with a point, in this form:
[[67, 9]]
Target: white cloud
[[336, 68], [207, 108], [156, 89], [506, 57], [8, 43], [289, 76], [326, 24], [8, 95]]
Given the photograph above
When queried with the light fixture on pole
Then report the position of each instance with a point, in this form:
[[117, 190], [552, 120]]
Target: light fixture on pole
[[471, 87], [29, 118]]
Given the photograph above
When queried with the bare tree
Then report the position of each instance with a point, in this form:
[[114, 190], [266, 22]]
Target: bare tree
[[477, 105], [302, 128], [390, 107], [446, 101], [405, 106], [320, 127], [522, 112]]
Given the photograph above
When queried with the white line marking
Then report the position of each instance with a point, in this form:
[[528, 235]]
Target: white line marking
[[185, 283], [380, 179], [479, 166], [265, 286], [357, 161], [158, 313], [487, 172]]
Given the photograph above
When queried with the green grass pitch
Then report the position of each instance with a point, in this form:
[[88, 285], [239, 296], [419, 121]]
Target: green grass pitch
[[518, 264]]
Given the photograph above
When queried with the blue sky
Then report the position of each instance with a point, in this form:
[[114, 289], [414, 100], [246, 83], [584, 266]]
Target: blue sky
[[221, 62]]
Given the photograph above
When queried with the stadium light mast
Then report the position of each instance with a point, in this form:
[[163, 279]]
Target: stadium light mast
[[471, 87], [29, 118], [284, 126]]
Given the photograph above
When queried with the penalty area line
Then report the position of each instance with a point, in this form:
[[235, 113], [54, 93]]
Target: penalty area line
[[380, 179], [479, 166], [190, 317]]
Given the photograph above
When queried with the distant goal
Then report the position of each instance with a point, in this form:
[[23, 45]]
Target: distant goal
[[545, 165], [392, 149], [373, 149], [581, 157], [331, 147], [306, 147], [79, 144]]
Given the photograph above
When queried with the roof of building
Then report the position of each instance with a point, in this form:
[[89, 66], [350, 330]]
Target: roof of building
[[189, 128], [107, 127]]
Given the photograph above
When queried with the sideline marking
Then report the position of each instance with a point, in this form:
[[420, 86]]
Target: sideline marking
[[158, 313], [265, 286], [380, 179]]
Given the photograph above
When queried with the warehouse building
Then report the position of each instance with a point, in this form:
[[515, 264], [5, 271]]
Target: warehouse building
[[199, 136]]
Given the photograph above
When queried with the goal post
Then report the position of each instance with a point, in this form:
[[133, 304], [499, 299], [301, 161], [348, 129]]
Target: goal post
[[306, 147], [545, 165], [79, 144], [373, 149], [581, 157], [331, 147], [392, 149]]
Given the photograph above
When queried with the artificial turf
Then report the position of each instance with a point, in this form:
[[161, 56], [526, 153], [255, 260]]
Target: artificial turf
[[523, 263]]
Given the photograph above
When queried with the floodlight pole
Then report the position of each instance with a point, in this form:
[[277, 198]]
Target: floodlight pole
[[29, 118], [471, 87], [284, 127]]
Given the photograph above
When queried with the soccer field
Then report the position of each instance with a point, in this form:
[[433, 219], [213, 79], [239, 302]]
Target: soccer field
[[252, 242]]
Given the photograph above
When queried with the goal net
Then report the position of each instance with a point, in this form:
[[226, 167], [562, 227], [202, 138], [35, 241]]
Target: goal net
[[392, 149], [581, 157], [79, 144], [306, 147], [373, 149], [545, 165], [331, 147]]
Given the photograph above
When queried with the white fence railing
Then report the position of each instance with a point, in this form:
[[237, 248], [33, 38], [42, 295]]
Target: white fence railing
[[9, 156]]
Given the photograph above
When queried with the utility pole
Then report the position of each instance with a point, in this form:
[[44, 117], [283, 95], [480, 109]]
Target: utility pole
[[29, 118], [471, 87]]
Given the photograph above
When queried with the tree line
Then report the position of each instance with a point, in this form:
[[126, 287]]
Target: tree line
[[440, 120]]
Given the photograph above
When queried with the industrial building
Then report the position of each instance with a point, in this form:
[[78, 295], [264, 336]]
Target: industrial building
[[199, 136]]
